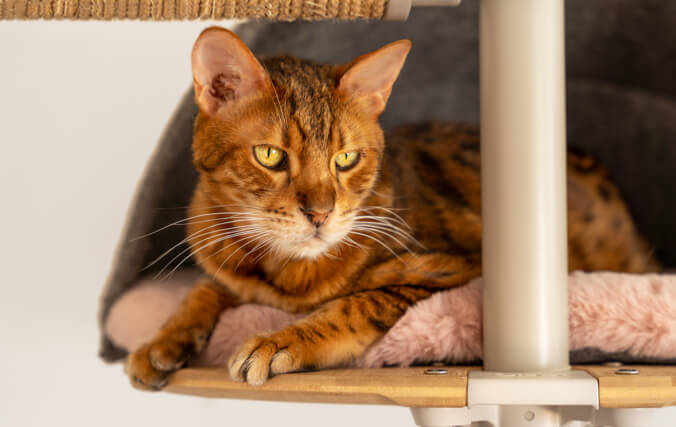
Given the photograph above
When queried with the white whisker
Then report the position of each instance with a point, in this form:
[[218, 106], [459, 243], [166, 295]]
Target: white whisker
[[212, 207], [382, 232], [253, 250], [246, 240], [377, 240], [197, 234], [244, 234], [216, 239], [186, 220], [263, 254], [384, 219], [286, 262], [352, 243], [393, 229], [391, 211], [282, 117]]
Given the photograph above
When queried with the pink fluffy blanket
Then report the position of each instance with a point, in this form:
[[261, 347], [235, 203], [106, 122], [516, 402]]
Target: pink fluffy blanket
[[611, 313]]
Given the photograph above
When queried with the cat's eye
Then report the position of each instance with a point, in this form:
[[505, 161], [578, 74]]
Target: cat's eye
[[347, 160], [269, 156]]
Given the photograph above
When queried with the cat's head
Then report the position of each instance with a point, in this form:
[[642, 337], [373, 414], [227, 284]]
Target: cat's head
[[293, 146]]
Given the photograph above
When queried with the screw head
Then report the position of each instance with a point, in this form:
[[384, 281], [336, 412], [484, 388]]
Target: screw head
[[436, 371], [627, 371], [529, 415]]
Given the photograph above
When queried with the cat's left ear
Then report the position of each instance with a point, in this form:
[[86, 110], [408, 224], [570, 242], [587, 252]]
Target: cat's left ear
[[225, 72], [369, 78]]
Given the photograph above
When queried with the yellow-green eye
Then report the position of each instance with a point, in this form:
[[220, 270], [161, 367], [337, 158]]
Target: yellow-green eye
[[345, 161], [269, 156]]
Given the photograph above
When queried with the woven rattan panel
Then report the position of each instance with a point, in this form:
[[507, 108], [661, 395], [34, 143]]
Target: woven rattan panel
[[163, 10]]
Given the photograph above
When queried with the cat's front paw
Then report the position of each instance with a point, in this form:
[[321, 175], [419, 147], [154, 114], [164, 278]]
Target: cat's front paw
[[149, 367], [264, 356]]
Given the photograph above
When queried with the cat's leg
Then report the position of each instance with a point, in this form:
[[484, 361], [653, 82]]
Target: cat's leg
[[331, 336], [342, 329], [184, 335]]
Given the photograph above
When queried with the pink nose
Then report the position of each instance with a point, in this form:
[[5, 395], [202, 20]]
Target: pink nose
[[316, 218]]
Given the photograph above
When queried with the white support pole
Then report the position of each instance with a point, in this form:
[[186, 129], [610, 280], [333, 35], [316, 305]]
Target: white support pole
[[523, 185], [398, 10], [526, 380]]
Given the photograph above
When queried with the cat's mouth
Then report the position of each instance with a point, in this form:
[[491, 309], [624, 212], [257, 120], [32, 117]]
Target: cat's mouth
[[312, 246], [312, 242], [316, 237]]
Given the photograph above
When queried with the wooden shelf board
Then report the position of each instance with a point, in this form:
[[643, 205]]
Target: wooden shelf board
[[654, 386], [387, 386]]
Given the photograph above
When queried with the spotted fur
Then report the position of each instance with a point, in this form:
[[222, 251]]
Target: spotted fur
[[356, 282]]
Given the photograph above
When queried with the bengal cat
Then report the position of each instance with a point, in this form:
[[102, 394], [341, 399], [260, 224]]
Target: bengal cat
[[300, 205]]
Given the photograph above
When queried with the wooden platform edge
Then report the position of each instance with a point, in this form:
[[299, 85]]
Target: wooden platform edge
[[408, 387], [652, 387]]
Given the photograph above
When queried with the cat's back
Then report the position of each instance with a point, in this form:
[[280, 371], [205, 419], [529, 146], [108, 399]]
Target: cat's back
[[435, 171], [436, 160]]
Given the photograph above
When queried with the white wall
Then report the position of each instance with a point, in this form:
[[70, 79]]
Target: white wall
[[81, 106]]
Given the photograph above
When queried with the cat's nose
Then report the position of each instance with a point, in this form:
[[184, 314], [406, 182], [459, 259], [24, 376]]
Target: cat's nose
[[316, 218]]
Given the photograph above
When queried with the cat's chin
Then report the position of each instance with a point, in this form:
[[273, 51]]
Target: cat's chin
[[308, 249]]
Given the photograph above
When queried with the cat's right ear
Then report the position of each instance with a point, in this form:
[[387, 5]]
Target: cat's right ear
[[225, 71]]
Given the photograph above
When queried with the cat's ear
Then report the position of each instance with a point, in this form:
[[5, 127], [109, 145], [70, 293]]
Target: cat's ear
[[225, 71], [370, 77]]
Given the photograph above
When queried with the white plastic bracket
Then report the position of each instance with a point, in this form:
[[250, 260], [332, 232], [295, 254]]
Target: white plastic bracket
[[398, 10], [552, 399], [563, 388], [538, 416]]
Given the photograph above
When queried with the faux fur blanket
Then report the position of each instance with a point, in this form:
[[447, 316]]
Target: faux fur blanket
[[612, 316]]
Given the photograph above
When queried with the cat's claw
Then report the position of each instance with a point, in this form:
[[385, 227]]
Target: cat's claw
[[262, 357]]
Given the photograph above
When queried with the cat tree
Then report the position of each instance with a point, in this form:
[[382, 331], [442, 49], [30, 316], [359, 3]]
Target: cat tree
[[527, 380]]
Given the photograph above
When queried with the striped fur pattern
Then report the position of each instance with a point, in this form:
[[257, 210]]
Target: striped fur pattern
[[401, 224]]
